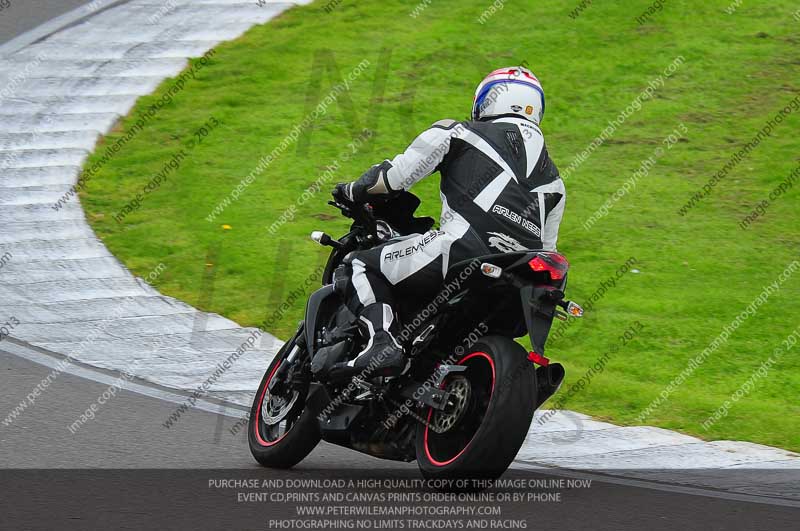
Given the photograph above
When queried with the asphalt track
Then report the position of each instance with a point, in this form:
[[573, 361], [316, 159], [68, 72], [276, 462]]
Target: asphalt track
[[128, 439], [128, 433], [23, 15]]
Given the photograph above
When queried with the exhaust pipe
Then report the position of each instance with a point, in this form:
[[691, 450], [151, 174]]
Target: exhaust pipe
[[548, 381]]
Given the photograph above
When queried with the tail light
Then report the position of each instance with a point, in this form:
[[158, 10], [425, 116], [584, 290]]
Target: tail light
[[553, 263]]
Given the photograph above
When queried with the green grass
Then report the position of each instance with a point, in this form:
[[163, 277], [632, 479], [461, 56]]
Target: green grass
[[696, 273]]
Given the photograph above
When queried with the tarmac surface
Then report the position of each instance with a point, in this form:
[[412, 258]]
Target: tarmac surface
[[23, 15], [137, 474]]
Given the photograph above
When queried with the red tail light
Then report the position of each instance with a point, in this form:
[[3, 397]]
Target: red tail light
[[553, 263]]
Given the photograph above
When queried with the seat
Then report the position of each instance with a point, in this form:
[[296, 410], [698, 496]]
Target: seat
[[499, 259]]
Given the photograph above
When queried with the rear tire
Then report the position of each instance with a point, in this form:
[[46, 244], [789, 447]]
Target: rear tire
[[483, 442], [281, 450]]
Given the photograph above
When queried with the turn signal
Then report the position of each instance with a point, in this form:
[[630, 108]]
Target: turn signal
[[491, 270], [574, 309]]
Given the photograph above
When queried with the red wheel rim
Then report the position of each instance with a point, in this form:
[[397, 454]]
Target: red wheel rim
[[257, 423], [428, 453]]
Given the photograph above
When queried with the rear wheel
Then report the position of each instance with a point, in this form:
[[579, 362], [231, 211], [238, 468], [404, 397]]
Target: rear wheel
[[490, 409], [281, 431]]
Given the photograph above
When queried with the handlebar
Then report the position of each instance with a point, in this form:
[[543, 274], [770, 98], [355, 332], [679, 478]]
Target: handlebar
[[361, 214], [397, 211]]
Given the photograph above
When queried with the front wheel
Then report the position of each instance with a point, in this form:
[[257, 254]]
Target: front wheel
[[281, 431], [490, 409]]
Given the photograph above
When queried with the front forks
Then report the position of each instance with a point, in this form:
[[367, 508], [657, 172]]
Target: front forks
[[297, 344]]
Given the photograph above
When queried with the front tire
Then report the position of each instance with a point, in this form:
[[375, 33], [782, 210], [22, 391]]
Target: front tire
[[482, 440], [288, 442]]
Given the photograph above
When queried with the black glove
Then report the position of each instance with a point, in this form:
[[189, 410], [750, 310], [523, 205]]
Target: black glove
[[358, 191], [343, 193]]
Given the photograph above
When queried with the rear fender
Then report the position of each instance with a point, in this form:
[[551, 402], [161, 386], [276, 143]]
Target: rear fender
[[539, 307]]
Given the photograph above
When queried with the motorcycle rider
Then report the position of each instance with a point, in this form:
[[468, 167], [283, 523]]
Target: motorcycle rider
[[500, 192]]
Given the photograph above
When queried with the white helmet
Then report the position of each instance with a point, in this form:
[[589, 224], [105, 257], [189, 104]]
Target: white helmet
[[512, 90]]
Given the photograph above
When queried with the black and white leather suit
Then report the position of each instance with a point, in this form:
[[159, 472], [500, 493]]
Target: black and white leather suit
[[500, 192]]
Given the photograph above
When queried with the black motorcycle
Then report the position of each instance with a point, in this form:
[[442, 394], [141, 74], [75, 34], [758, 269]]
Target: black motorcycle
[[463, 406]]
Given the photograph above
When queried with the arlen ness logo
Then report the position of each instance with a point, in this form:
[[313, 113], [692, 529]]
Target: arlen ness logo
[[526, 224], [411, 249]]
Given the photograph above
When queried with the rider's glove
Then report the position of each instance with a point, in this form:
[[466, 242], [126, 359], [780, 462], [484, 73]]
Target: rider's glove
[[343, 192], [372, 183]]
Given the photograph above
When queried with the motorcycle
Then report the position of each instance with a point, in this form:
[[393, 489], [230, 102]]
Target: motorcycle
[[463, 406]]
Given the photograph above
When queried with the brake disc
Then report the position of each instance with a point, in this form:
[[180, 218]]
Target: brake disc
[[460, 392], [275, 408]]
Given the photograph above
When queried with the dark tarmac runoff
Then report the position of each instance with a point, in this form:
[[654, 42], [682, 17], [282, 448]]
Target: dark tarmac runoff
[[125, 470], [24, 15]]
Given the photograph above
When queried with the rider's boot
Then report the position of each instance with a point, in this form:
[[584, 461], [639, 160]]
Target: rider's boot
[[383, 355]]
